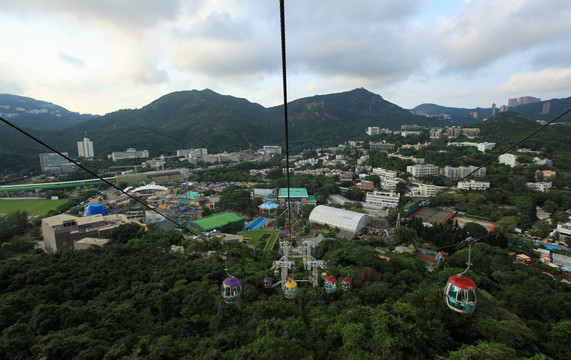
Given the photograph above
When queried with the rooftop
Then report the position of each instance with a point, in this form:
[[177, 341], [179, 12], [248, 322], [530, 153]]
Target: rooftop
[[293, 192]]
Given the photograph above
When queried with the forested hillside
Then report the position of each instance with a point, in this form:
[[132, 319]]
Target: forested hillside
[[138, 300]]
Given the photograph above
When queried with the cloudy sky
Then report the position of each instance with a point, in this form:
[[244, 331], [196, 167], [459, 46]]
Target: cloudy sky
[[105, 55]]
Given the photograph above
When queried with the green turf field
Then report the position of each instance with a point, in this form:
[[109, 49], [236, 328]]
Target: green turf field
[[32, 207], [255, 235]]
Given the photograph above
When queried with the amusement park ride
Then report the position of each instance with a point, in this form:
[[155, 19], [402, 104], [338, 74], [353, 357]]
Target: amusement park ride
[[231, 288], [460, 292]]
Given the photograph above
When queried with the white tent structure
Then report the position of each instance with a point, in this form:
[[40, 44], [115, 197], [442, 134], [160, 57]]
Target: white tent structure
[[349, 222], [150, 188]]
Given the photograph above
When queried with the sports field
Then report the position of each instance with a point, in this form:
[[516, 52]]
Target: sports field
[[432, 215], [32, 207], [461, 221]]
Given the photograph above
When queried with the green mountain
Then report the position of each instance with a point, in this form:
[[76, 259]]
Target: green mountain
[[192, 119], [36, 114], [535, 110], [456, 116], [463, 116]]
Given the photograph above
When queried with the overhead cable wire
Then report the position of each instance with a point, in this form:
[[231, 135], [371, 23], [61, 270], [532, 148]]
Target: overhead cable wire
[[89, 171], [284, 77], [501, 153]]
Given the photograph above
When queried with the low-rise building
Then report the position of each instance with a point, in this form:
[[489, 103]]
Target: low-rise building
[[129, 154], [367, 185], [460, 172], [539, 186], [423, 170], [473, 185], [508, 159], [63, 231], [387, 199]]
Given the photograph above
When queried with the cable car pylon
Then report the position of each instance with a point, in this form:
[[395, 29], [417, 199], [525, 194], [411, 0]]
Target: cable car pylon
[[460, 292]]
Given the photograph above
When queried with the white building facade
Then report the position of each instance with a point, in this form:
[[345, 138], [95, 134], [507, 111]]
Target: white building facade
[[85, 148], [473, 185], [387, 199], [423, 170]]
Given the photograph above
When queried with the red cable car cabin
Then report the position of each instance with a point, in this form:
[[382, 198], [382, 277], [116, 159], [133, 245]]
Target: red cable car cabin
[[460, 294]]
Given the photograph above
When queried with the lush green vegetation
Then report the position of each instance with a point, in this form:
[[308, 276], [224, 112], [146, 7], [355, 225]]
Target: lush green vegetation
[[32, 207], [136, 299]]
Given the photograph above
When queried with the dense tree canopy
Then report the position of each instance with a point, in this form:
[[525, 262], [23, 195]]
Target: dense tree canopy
[[136, 299]]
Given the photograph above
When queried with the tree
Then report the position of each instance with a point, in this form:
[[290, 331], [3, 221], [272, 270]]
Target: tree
[[123, 233]]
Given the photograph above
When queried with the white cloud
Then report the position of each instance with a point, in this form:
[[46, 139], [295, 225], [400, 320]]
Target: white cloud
[[546, 80], [483, 31]]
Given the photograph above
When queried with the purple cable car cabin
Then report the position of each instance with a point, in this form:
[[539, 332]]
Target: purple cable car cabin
[[231, 290]]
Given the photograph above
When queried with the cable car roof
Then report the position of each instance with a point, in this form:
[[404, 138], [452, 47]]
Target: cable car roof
[[462, 283]]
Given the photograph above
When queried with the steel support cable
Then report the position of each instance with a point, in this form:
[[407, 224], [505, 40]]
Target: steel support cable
[[284, 77], [501, 153], [88, 171]]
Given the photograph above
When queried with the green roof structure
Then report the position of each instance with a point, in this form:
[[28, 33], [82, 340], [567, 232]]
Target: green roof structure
[[293, 192], [217, 221]]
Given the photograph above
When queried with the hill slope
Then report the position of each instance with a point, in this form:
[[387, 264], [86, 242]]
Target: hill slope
[[36, 114], [191, 119]]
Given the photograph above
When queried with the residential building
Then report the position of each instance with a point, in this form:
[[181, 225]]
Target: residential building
[[503, 108], [545, 174], [483, 147], [546, 108], [415, 147], [539, 161], [508, 159], [367, 185], [62, 231], [271, 150], [471, 132], [523, 100], [129, 154], [494, 110], [381, 146], [473, 185], [513, 102], [51, 163], [425, 190], [480, 146], [385, 174], [390, 184], [387, 199], [346, 176], [423, 170], [85, 149], [539, 186], [193, 155], [460, 172], [564, 231], [375, 130]]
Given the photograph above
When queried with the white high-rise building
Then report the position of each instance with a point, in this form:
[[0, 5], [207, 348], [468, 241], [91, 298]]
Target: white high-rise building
[[85, 148]]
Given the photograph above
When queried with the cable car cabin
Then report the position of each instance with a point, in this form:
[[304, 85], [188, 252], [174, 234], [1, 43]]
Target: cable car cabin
[[231, 290], [267, 282], [330, 284], [290, 289], [346, 284], [312, 279], [460, 294]]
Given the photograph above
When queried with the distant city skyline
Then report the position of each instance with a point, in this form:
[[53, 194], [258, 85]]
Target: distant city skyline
[[99, 57]]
